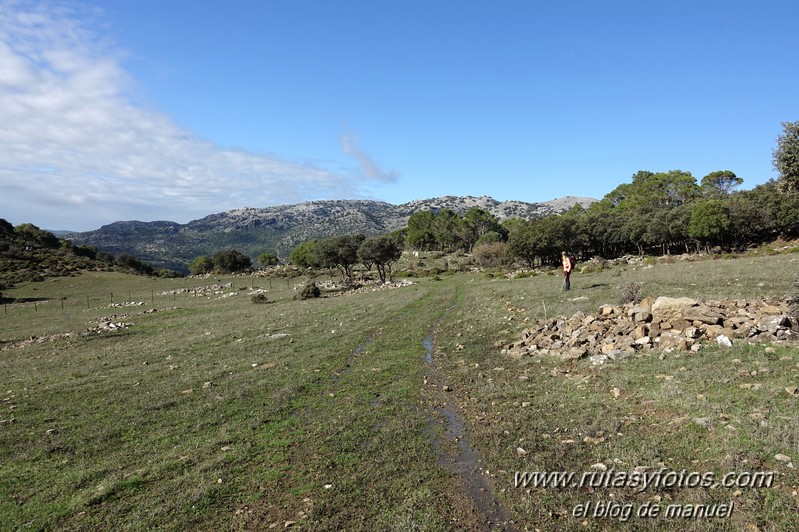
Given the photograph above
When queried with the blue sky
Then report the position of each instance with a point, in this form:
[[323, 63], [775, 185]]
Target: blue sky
[[153, 110]]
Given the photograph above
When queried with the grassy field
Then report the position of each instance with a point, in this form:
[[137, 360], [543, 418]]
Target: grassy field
[[388, 410]]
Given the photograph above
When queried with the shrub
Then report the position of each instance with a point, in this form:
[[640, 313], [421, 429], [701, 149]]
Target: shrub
[[259, 298], [630, 293], [492, 255], [310, 291]]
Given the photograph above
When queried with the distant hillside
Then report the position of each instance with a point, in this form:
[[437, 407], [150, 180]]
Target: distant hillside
[[280, 229]]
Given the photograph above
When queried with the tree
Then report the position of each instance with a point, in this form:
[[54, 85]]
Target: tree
[[304, 255], [635, 227], [200, 265], [524, 243], [512, 224], [382, 251], [267, 259], [339, 252], [710, 220], [231, 261], [491, 237], [420, 231], [786, 158], [719, 183], [476, 223], [663, 189], [749, 222], [445, 229], [129, 262], [678, 219]]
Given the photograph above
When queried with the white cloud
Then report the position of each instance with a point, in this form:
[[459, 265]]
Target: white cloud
[[367, 167], [75, 151]]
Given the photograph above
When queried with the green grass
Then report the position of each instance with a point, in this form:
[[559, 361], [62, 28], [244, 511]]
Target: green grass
[[217, 413]]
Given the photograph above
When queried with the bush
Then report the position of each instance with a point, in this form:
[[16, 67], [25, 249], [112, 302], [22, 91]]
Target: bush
[[259, 299], [492, 255], [310, 291], [630, 293]]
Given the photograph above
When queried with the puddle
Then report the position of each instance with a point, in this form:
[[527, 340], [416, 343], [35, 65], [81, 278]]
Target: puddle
[[428, 345], [457, 455]]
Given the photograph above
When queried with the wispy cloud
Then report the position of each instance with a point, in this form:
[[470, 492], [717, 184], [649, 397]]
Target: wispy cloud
[[77, 151], [367, 167]]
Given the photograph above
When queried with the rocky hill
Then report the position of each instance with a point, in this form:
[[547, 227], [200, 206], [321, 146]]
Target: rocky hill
[[280, 229]]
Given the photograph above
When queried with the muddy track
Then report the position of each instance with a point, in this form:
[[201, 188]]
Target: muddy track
[[455, 452]]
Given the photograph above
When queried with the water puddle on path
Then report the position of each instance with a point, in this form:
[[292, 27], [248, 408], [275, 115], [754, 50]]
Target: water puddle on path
[[457, 455]]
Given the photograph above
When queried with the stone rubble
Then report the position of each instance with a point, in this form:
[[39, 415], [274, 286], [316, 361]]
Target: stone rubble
[[368, 286], [664, 324], [198, 291]]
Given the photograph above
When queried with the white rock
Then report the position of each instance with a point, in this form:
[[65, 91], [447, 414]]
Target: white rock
[[723, 341]]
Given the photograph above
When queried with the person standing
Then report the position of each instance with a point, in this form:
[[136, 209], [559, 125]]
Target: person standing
[[568, 264]]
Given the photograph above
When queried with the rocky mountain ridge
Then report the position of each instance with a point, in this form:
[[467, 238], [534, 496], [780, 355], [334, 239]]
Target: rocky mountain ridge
[[280, 229]]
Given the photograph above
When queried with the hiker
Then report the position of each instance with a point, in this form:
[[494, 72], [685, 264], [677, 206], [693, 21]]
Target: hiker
[[568, 265]]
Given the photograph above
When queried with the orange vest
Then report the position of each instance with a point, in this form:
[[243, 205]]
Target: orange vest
[[567, 264]]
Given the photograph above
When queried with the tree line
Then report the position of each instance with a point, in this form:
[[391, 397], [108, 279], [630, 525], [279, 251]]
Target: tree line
[[656, 212]]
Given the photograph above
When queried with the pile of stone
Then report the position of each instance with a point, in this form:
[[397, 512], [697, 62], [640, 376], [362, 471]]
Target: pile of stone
[[105, 327], [368, 286], [664, 324], [198, 291]]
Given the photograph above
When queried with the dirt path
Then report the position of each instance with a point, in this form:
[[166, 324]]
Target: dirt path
[[480, 507]]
